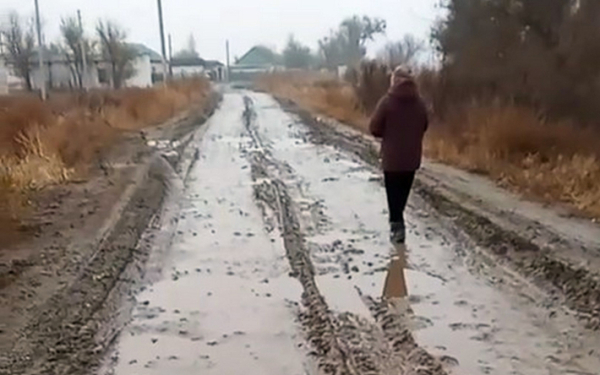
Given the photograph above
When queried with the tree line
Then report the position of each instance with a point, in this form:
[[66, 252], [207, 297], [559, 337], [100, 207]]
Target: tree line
[[109, 44], [347, 46], [543, 54], [539, 53]]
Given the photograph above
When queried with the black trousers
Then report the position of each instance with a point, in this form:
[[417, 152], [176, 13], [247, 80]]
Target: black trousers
[[397, 187]]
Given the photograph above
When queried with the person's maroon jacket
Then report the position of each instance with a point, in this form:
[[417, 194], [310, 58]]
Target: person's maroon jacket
[[401, 121]]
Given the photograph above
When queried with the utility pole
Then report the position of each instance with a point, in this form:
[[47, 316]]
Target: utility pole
[[83, 54], [170, 56], [162, 41], [40, 50], [228, 67]]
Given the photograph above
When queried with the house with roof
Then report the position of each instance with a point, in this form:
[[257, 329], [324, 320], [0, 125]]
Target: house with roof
[[148, 66], [190, 66], [215, 70], [183, 67], [59, 71], [259, 59]]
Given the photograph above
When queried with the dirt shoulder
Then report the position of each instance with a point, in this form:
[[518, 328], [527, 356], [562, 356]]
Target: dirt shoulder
[[76, 246], [558, 253]]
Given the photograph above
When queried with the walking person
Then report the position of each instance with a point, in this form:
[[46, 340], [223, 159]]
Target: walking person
[[400, 120]]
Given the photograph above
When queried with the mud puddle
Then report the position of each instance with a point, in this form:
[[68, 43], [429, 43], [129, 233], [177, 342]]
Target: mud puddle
[[348, 335], [281, 251], [224, 303], [477, 317]]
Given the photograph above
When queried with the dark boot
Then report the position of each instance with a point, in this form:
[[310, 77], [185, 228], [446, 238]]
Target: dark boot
[[397, 233]]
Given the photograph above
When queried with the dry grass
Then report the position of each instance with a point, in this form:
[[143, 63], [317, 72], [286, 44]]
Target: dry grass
[[550, 161], [47, 143], [318, 93]]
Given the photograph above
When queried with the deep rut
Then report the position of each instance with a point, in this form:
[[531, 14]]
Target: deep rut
[[342, 343]]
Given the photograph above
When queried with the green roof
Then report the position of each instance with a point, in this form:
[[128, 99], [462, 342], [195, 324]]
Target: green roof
[[259, 56]]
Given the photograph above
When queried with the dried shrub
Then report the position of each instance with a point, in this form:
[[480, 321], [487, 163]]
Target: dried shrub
[[551, 160], [320, 93], [370, 82], [45, 143]]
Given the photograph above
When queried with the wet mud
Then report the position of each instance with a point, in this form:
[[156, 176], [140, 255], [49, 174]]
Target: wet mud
[[576, 287], [517, 275], [344, 343], [62, 312], [570, 283], [62, 338], [278, 262]]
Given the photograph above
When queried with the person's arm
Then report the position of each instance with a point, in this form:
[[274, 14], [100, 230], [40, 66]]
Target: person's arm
[[377, 123]]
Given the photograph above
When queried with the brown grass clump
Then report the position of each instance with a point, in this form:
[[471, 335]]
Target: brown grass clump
[[554, 161], [45, 143]]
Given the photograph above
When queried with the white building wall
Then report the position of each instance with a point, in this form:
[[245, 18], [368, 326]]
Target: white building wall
[[187, 71], [91, 80], [158, 67], [143, 73], [36, 77], [62, 77], [3, 79]]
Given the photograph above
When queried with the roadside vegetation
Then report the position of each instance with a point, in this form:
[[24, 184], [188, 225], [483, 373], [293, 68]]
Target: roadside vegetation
[[515, 95], [53, 142], [74, 47], [57, 141]]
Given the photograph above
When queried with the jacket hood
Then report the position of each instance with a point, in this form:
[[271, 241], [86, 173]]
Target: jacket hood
[[404, 89]]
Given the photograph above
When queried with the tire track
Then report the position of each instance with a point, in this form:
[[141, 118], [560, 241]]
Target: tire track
[[342, 343]]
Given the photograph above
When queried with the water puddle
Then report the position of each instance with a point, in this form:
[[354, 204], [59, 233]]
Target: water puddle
[[466, 317], [226, 303]]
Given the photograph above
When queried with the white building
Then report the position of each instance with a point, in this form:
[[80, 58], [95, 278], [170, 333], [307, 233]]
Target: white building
[[3, 79], [196, 66], [59, 73], [187, 67], [155, 71], [148, 69], [142, 76]]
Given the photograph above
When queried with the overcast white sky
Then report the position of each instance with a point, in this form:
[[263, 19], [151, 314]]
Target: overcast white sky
[[244, 23]]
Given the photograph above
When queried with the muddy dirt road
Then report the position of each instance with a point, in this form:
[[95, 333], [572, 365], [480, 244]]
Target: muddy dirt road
[[278, 261]]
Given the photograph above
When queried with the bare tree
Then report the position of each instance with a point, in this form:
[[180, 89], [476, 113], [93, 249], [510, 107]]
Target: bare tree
[[296, 55], [331, 50], [403, 52], [347, 44], [74, 39], [189, 53], [20, 43], [356, 32], [116, 50], [192, 45]]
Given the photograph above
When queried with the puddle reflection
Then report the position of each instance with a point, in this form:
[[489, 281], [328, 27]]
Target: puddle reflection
[[395, 281]]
